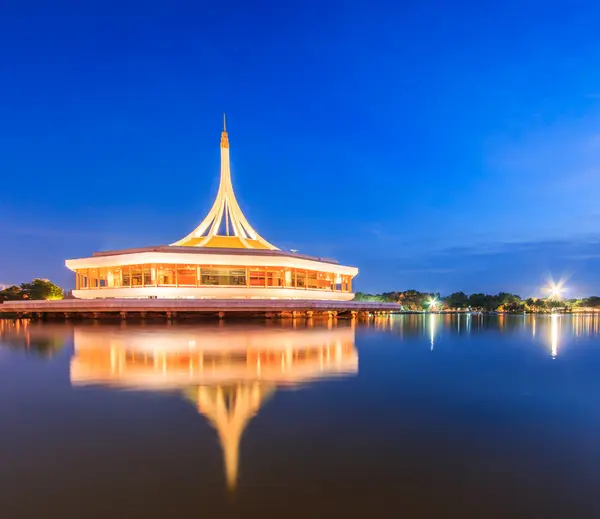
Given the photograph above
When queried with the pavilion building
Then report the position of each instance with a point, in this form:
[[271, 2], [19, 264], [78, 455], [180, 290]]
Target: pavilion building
[[223, 258]]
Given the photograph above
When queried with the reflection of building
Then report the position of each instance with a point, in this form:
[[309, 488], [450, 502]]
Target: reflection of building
[[224, 257], [226, 373]]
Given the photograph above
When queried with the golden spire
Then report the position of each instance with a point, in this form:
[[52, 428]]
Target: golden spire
[[224, 138], [225, 209]]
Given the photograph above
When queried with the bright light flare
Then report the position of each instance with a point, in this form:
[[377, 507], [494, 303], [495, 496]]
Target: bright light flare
[[556, 289]]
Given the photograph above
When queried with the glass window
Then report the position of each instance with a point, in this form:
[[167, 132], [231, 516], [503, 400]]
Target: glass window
[[300, 278], [223, 276], [126, 276], [147, 275], [113, 277], [257, 277], [311, 279], [288, 278], [83, 278], [186, 275], [274, 278], [93, 278], [102, 283], [166, 275], [325, 281], [136, 275]]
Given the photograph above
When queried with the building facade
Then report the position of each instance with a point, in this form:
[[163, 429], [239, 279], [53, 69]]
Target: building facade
[[222, 258]]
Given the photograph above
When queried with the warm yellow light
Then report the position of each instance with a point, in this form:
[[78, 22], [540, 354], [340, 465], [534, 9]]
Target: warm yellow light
[[556, 290]]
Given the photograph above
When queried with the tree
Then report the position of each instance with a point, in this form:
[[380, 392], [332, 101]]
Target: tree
[[591, 302], [13, 293], [457, 300], [41, 289]]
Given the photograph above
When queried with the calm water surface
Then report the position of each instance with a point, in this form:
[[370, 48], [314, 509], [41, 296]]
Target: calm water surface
[[416, 416]]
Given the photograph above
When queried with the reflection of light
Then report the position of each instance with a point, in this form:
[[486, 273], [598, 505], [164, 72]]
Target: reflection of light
[[431, 329], [228, 373], [554, 335]]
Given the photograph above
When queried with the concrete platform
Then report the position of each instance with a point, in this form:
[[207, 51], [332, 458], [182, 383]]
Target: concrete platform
[[170, 308]]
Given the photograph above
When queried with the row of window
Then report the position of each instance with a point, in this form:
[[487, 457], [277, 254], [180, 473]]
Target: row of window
[[152, 275]]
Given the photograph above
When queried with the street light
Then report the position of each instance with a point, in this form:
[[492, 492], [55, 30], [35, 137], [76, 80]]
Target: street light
[[556, 289]]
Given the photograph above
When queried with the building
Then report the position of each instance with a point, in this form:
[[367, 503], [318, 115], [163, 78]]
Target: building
[[223, 258]]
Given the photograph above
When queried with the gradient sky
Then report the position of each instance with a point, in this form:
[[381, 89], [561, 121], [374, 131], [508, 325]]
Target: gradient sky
[[435, 145]]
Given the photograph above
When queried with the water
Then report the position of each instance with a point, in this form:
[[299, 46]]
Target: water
[[416, 416]]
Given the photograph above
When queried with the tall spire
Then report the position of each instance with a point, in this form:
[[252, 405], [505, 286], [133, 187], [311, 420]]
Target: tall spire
[[239, 233], [224, 137]]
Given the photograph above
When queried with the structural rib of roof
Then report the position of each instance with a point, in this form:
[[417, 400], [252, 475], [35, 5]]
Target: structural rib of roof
[[238, 231]]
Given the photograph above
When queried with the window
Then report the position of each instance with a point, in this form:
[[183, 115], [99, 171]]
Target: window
[[257, 277], [311, 279], [166, 275], [93, 278], [186, 275], [275, 278], [102, 281], [126, 276], [325, 281], [114, 277], [223, 276], [147, 272], [136, 275], [300, 278]]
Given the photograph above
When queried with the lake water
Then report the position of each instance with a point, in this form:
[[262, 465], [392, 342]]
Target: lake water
[[413, 416]]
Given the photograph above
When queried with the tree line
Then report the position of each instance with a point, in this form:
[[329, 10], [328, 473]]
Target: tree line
[[35, 290], [415, 301]]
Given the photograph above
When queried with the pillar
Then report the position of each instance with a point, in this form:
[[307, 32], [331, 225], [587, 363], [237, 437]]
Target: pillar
[[221, 315], [143, 315], [309, 314], [123, 315]]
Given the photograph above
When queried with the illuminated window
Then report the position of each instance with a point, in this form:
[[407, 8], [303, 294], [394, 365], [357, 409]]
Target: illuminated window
[[257, 277], [186, 275], [102, 281], [136, 275], [311, 279], [274, 278], [223, 276], [300, 278], [147, 275], [166, 275]]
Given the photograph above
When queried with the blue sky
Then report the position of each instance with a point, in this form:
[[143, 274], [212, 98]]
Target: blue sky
[[435, 145]]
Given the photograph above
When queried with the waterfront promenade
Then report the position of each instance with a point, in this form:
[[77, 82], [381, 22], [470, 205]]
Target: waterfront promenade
[[174, 308]]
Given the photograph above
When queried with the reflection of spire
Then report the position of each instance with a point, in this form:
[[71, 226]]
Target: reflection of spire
[[229, 409], [228, 374]]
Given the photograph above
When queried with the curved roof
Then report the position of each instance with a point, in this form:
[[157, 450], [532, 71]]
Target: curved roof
[[239, 234]]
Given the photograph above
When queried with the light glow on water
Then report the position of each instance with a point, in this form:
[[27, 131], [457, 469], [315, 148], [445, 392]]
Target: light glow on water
[[302, 408]]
